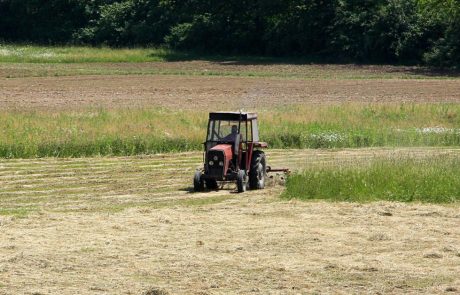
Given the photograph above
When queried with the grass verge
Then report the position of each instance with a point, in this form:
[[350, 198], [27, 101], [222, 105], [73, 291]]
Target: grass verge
[[123, 132], [28, 53], [80, 54], [431, 180]]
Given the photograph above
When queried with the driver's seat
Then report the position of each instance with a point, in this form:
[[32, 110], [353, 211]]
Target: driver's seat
[[236, 148]]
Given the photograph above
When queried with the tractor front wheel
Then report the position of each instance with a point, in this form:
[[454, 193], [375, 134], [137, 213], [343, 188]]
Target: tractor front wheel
[[258, 170], [198, 183], [241, 181]]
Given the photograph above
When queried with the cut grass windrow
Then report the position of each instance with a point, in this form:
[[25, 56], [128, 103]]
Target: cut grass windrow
[[104, 183]]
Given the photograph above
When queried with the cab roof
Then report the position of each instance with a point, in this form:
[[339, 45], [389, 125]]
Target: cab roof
[[232, 116]]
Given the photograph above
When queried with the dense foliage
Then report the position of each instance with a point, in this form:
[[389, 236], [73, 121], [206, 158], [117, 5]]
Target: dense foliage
[[396, 31]]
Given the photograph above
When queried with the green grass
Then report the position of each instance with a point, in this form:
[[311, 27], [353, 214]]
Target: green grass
[[120, 132], [16, 53], [432, 180], [30, 53], [70, 54]]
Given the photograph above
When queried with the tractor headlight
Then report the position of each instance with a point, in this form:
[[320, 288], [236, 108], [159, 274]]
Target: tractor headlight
[[211, 163], [221, 163], [215, 158]]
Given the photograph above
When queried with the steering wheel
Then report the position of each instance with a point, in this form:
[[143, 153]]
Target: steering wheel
[[216, 134]]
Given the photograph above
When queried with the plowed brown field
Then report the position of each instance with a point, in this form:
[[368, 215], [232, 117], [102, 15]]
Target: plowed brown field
[[200, 84], [188, 92]]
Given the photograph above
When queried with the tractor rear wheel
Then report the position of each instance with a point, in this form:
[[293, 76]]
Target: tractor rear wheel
[[241, 181], [258, 171], [198, 183], [211, 184]]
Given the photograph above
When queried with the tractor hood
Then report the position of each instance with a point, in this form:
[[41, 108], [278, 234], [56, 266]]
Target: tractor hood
[[225, 148], [218, 158]]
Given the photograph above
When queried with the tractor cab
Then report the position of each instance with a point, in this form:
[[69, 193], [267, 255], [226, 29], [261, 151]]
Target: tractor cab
[[238, 130], [231, 152]]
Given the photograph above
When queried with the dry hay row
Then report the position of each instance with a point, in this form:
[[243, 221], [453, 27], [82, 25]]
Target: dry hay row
[[82, 175], [107, 199], [60, 183], [110, 200], [128, 184], [5, 165], [70, 181], [196, 157], [62, 173], [73, 177], [293, 159], [95, 195], [157, 158]]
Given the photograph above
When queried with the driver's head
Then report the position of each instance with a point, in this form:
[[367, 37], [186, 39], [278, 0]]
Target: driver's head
[[234, 129]]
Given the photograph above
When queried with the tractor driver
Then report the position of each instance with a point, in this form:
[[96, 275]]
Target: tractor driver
[[232, 135]]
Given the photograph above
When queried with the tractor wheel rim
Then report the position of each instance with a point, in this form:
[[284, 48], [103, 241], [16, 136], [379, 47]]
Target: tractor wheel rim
[[260, 172]]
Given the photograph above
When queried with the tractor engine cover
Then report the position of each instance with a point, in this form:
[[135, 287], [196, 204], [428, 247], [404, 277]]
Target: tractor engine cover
[[218, 160]]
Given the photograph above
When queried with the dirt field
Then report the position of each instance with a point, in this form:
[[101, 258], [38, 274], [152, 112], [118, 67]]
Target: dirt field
[[191, 88], [130, 225], [225, 68]]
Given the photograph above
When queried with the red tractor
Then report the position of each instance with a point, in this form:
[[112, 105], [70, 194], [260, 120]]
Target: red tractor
[[232, 153]]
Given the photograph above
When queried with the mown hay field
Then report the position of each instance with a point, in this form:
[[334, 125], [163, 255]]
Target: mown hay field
[[131, 225]]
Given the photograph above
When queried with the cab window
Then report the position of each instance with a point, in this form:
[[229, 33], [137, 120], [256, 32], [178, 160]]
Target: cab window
[[220, 130]]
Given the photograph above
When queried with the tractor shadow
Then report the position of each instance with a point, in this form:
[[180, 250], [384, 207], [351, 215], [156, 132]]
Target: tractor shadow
[[278, 179], [190, 190]]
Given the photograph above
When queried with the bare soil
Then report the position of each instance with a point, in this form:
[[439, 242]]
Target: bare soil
[[198, 92], [226, 68], [131, 226]]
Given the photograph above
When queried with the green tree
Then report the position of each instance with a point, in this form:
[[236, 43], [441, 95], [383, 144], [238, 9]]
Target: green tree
[[445, 16], [129, 22], [52, 21], [299, 27]]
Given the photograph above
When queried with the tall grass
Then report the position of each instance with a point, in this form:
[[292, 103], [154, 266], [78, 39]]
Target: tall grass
[[358, 125], [88, 132], [98, 132], [434, 180]]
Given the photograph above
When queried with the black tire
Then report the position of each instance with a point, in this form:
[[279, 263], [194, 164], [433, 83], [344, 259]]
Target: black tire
[[258, 172], [211, 184], [198, 183], [241, 181]]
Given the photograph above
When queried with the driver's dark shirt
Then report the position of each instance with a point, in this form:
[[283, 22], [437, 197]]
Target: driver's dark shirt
[[230, 137]]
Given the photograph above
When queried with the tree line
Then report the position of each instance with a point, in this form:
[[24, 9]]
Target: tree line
[[381, 31]]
